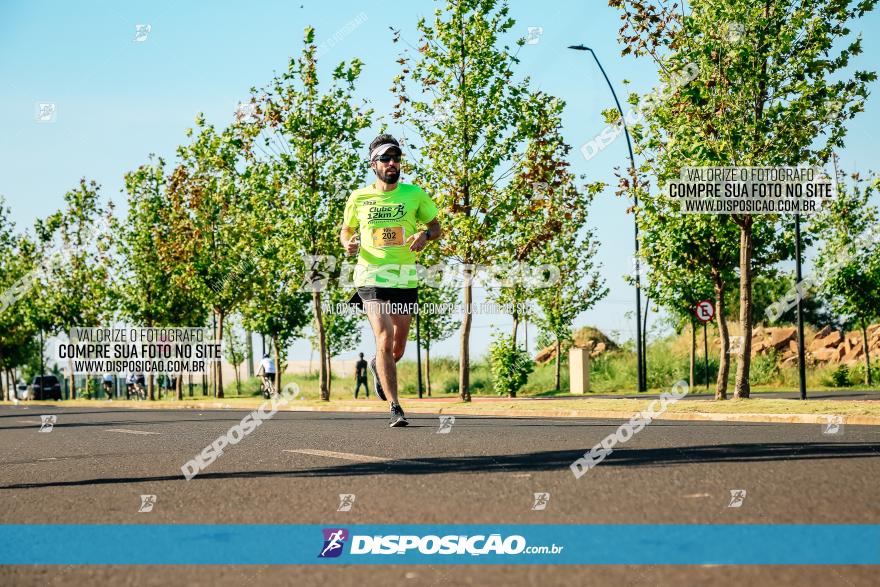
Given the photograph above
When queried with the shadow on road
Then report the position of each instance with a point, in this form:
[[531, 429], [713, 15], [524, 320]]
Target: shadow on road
[[531, 462]]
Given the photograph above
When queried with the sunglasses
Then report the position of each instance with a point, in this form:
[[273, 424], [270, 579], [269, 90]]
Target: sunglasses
[[388, 158]]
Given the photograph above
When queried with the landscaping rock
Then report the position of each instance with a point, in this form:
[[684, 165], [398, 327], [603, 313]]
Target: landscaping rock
[[833, 339], [781, 336], [825, 331]]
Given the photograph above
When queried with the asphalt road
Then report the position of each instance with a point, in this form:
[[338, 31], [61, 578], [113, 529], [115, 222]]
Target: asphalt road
[[96, 463]]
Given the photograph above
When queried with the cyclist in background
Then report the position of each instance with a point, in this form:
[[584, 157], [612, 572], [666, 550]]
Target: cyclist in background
[[267, 370], [107, 383]]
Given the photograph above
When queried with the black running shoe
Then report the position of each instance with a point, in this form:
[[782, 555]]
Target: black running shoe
[[379, 391], [397, 417]]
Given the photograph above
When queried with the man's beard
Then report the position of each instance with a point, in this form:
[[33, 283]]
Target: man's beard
[[390, 176]]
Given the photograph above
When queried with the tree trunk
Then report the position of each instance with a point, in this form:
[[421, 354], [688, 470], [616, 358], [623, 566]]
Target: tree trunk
[[151, 389], [724, 334], [219, 362], [515, 328], [322, 346], [277, 352], [467, 145], [745, 309], [178, 386], [70, 377], [250, 353], [867, 352], [692, 363], [464, 343], [428, 369], [558, 361], [329, 373]]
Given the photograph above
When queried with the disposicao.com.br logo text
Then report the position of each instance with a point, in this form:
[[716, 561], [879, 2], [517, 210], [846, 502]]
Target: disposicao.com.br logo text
[[393, 544]]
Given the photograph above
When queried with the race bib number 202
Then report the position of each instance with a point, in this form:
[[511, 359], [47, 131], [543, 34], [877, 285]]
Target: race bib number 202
[[388, 236]]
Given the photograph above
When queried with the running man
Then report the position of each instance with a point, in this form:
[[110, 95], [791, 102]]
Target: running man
[[381, 225], [360, 375]]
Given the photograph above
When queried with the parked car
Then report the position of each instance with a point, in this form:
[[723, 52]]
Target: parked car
[[45, 387], [21, 390]]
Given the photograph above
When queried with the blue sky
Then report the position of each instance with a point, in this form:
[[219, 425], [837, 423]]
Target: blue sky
[[119, 100]]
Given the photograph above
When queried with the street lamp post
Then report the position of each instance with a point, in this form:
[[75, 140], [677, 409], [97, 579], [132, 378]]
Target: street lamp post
[[640, 351], [418, 346], [802, 367]]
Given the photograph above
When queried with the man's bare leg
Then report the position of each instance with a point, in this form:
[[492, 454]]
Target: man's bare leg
[[391, 331], [401, 331], [383, 331]]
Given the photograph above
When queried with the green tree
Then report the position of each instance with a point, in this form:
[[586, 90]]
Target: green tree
[[148, 290], [542, 214], [17, 331], [206, 223], [543, 223], [76, 287], [764, 96], [691, 258], [275, 306], [469, 111], [849, 259], [571, 251], [510, 365], [309, 139]]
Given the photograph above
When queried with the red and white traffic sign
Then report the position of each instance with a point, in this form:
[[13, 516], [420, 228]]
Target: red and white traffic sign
[[704, 311]]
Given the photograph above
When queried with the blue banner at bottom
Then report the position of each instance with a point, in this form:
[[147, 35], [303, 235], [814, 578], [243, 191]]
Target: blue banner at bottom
[[533, 544]]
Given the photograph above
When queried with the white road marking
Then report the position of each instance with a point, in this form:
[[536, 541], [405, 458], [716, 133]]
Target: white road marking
[[697, 495], [347, 456], [30, 421], [124, 431], [48, 459]]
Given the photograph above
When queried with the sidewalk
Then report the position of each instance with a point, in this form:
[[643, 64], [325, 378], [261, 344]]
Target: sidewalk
[[864, 412]]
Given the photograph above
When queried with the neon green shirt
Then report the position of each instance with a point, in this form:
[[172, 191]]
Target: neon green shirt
[[385, 220]]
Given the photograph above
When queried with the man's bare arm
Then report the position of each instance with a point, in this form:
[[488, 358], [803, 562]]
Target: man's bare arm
[[346, 237], [421, 238], [434, 231]]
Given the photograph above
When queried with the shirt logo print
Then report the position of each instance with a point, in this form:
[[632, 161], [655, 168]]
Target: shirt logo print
[[386, 212]]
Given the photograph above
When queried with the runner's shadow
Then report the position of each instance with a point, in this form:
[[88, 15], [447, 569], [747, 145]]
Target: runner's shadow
[[558, 461], [104, 424]]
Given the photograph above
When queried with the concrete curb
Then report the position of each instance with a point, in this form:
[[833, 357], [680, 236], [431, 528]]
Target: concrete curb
[[857, 419]]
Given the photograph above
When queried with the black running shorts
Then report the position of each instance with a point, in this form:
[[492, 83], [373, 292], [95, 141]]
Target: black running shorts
[[399, 300]]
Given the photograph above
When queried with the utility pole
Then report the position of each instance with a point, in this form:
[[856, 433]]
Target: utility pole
[[802, 367], [640, 350]]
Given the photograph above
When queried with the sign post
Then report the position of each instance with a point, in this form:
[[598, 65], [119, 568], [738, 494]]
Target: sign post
[[705, 311]]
